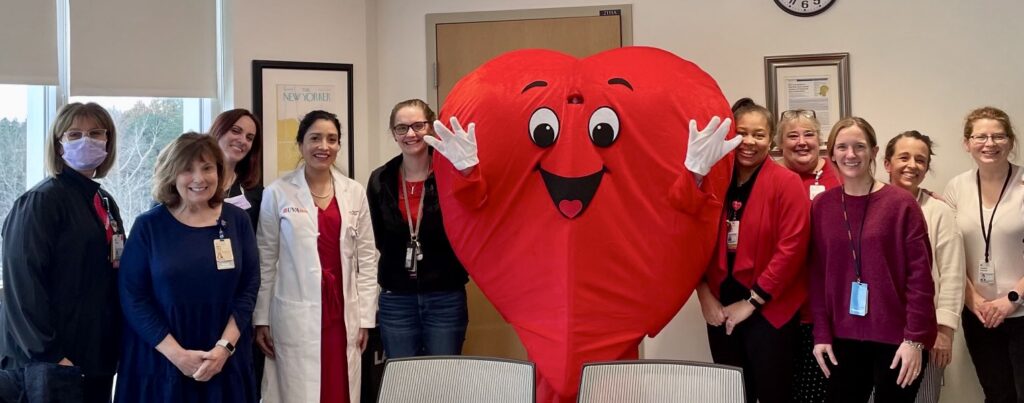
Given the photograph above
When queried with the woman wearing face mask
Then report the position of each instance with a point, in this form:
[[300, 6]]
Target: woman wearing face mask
[[188, 286], [988, 202], [62, 246], [318, 296], [754, 289], [798, 136], [240, 136], [423, 301], [908, 158], [871, 284]]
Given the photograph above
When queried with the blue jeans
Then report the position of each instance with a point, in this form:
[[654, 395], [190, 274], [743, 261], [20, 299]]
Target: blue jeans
[[430, 323]]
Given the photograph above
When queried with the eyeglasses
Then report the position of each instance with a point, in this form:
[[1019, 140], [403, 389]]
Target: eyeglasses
[[418, 127], [996, 138], [95, 134], [793, 113]]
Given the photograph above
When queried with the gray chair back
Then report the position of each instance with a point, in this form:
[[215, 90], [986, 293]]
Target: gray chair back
[[457, 379], [660, 381]]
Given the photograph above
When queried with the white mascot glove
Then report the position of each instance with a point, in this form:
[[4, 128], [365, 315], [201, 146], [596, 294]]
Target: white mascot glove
[[708, 146], [458, 147]]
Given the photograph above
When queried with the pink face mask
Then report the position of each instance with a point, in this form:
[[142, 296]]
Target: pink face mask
[[85, 153]]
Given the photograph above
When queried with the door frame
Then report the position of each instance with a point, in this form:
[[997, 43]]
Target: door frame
[[433, 20]]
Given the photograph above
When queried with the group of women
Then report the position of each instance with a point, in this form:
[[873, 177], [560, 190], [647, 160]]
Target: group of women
[[860, 297], [221, 272]]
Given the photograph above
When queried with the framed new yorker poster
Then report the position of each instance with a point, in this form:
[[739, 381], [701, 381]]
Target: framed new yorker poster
[[283, 92]]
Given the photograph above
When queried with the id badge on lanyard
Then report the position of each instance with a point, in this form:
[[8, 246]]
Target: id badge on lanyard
[[986, 272], [116, 249], [817, 188], [732, 234], [413, 249], [116, 238], [858, 288], [987, 268], [858, 298], [222, 251]]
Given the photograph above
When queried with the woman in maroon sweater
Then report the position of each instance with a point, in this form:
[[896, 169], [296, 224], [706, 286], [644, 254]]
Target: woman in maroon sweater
[[871, 283], [754, 288]]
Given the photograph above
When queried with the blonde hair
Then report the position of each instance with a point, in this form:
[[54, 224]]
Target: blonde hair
[[988, 112], [177, 157], [788, 119], [65, 118]]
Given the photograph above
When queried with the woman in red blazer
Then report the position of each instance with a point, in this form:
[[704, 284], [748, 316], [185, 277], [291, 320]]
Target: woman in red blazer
[[754, 288]]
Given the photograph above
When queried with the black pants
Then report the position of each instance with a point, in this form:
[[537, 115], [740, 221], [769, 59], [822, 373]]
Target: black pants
[[863, 366], [47, 382], [998, 356], [765, 353], [258, 361], [96, 389]]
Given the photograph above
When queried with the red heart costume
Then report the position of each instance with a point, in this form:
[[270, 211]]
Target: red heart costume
[[580, 223]]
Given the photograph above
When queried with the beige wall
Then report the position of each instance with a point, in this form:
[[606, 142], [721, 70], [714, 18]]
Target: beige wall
[[916, 64], [328, 31]]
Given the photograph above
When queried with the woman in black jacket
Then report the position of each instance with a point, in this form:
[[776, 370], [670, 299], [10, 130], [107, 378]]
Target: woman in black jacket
[[62, 246], [422, 309]]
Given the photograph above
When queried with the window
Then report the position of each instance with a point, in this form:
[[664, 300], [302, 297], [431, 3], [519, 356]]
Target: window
[[144, 127], [22, 133], [55, 71], [13, 129]]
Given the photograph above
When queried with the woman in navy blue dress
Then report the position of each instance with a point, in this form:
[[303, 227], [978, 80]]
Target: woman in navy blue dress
[[188, 284]]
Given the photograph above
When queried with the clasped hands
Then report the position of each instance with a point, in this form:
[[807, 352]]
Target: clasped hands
[[201, 365], [990, 313], [716, 315]]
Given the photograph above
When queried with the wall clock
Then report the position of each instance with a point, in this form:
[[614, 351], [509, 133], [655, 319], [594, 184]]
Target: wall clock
[[804, 8]]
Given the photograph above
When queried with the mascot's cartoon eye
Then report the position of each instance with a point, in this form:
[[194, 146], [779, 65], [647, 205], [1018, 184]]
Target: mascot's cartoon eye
[[543, 127], [604, 127]]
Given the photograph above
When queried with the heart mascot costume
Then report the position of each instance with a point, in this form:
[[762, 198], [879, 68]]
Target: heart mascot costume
[[583, 198]]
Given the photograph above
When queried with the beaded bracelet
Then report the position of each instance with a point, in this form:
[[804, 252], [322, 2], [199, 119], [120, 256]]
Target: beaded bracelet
[[914, 344]]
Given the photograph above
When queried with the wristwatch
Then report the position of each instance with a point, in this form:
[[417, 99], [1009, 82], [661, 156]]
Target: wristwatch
[[753, 301], [1015, 298], [227, 346]]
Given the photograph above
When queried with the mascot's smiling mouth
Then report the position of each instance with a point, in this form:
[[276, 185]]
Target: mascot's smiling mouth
[[571, 195]]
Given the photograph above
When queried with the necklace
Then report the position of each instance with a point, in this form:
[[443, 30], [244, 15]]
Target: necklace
[[411, 186], [326, 195]]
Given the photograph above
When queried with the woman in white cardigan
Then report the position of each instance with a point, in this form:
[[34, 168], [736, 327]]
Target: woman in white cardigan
[[908, 158], [989, 204], [318, 295]]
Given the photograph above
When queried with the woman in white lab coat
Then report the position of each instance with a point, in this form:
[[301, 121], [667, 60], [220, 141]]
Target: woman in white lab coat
[[318, 295]]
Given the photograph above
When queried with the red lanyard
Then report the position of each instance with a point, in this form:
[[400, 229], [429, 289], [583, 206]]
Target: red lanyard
[[103, 210]]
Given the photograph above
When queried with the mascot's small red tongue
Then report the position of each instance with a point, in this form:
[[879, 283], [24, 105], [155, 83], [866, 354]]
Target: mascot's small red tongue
[[580, 223], [570, 208]]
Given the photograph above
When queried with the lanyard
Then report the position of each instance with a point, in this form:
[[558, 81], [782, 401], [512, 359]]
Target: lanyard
[[414, 231], [987, 234], [110, 215], [856, 248], [817, 176]]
